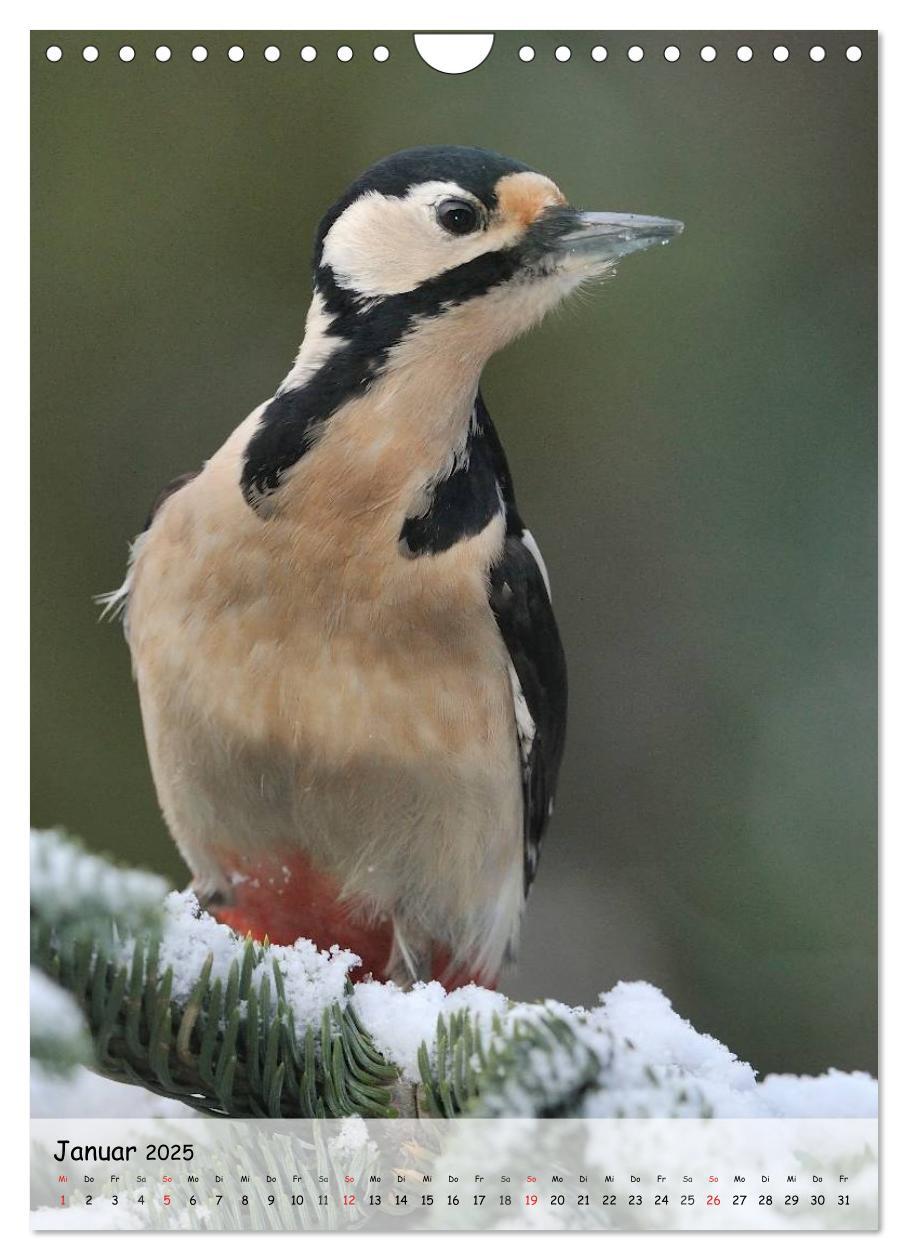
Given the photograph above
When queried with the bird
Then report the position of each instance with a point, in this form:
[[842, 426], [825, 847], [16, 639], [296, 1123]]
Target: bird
[[352, 685]]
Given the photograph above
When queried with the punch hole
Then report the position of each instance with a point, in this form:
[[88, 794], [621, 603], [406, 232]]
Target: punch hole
[[162, 53], [526, 53], [453, 54], [635, 53], [272, 53], [745, 53], [853, 53], [380, 53], [672, 53], [54, 53], [780, 53], [199, 53], [817, 53], [89, 53], [707, 53], [599, 53], [308, 53], [345, 53], [127, 53], [562, 53], [235, 53]]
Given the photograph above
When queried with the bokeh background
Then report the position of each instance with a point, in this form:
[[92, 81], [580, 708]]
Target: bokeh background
[[693, 444]]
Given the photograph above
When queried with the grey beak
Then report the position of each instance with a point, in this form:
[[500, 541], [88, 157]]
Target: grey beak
[[607, 236]]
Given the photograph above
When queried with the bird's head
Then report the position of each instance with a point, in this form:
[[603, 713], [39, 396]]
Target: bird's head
[[478, 244], [430, 262]]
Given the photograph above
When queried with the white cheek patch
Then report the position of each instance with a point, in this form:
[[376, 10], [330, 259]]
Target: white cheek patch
[[383, 245]]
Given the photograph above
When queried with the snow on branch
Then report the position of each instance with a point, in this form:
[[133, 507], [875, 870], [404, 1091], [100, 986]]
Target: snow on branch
[[279, 1030]]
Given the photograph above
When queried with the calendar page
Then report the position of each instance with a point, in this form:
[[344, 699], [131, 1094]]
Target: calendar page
[[454, 704]]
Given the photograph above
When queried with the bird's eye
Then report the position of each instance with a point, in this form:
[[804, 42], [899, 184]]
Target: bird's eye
[[457, 217]]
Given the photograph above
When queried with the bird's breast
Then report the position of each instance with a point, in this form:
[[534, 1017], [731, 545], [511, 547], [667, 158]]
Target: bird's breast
[[315, 627], [306, 683]]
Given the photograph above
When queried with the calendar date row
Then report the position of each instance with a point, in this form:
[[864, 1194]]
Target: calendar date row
[[406, 1200]]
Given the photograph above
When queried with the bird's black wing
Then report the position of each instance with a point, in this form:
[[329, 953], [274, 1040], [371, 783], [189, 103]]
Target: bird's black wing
[[519, 597]]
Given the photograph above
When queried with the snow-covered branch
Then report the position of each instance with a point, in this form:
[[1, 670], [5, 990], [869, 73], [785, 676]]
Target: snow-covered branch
[[177, 1002]]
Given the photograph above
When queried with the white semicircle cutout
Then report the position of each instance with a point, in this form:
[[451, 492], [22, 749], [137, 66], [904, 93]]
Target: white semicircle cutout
[[454, 54]]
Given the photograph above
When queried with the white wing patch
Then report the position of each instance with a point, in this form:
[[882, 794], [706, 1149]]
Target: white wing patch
[[533, 548], [526, 727]]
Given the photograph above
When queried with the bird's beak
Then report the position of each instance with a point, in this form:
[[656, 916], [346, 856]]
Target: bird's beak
[[604, 237]]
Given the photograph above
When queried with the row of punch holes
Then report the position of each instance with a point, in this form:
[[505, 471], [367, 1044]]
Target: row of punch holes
[[526, 53]]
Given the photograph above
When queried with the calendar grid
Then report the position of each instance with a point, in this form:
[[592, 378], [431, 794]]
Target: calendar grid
[[469, 1174]]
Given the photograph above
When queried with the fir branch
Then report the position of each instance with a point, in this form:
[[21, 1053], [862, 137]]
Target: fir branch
[[232, 1048], [177, 1003]]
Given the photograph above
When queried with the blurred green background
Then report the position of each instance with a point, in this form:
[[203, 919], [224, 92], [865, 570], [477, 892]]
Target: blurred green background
[[693, 443]]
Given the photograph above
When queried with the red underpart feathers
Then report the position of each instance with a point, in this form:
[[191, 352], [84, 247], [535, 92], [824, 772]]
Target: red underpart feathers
[[288, 898]]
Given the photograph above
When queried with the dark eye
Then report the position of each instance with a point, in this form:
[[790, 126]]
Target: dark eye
[[457, 217]]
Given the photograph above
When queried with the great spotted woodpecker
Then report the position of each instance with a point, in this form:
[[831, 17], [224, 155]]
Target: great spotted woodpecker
[[352, 684]]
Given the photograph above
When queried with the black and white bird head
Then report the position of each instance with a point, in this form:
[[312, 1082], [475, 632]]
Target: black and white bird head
[[432, 260], [429, 231]]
